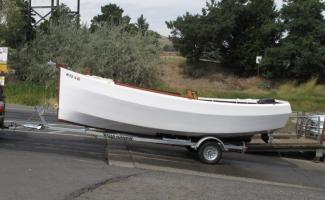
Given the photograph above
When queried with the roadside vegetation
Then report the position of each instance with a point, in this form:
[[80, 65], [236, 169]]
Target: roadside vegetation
[[308, 97], [111, 47], [234, 32], [30, 94], [217, 50]]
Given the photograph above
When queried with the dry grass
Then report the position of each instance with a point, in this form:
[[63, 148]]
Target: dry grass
[[308, 97], [172, 73]]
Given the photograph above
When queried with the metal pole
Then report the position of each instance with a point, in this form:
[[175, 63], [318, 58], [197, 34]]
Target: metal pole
[[78, 13], [78, 7], [29, 20], [29, 8], [52, 6], [322, 139]]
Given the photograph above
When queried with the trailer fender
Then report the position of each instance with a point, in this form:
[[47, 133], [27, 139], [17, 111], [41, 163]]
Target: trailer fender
[[202, 140]]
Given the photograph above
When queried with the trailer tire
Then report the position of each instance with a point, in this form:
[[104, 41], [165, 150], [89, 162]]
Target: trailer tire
[[210, 152]]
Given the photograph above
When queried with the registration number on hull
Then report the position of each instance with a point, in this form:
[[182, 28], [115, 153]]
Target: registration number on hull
[[73, 76]]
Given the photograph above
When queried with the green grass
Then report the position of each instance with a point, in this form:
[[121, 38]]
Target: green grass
[[28, 93]]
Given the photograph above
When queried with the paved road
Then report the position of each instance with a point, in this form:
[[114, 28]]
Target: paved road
[[29, 175], [62, 165]]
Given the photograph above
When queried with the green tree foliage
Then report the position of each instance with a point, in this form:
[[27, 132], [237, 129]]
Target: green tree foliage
[[233, 32], [301, 53], [15, 29], [111, 14], [187, 35], [110, 51], [142, 25], [251, 27]]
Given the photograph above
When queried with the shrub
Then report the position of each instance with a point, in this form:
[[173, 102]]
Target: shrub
[[110, 52]]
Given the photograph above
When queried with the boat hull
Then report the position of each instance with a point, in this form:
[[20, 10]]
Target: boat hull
[[100, 103]]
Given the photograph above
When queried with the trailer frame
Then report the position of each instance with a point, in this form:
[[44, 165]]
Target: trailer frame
[[204, 147], [209, 148]]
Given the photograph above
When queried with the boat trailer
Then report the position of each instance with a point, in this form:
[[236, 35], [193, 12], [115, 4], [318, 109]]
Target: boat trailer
[[209, 149]]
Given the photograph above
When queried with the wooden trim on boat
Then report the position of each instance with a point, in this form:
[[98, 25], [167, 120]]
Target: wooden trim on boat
[[152, 90]]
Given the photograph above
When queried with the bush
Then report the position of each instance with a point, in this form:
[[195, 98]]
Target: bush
[[110, 52]]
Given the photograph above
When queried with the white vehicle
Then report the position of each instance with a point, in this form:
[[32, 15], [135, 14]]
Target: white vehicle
[[315, 124], [104, 104]]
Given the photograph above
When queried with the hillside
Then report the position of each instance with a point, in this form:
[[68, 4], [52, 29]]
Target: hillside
[[221, 83], [173, 74], [164, 41]]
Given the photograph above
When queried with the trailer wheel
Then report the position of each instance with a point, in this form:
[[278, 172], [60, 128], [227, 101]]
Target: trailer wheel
[[210, 152]]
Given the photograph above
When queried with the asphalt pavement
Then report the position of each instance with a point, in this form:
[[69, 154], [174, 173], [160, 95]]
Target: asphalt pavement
[[49, 164]]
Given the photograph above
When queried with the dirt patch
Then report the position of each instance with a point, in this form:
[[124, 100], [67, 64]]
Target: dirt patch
[[173, 74]]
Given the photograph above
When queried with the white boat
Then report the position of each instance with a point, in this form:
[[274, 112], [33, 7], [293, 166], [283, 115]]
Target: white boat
[[102, 103]]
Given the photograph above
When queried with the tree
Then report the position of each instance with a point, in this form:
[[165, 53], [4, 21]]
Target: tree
[[232, 32], [2, 9], [301, 53], [110, 52], [249, 29], [15, 29], [142, 25], [111, 14], [186, 36]]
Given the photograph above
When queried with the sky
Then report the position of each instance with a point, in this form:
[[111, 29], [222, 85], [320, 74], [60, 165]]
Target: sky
[[156, 12]]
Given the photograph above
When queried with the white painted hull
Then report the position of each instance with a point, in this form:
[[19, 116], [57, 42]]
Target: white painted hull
[[100, 103]]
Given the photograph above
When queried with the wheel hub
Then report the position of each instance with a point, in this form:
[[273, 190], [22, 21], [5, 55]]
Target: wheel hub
[[210, 153]]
